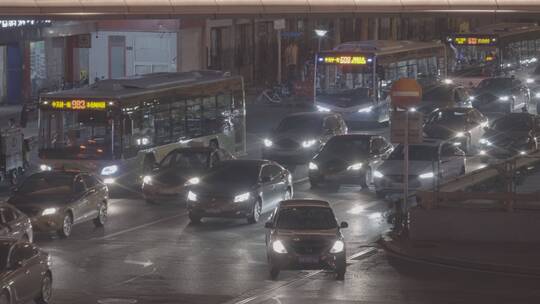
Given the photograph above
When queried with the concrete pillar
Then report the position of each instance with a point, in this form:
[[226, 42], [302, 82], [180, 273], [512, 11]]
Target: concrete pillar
[[376, 29]]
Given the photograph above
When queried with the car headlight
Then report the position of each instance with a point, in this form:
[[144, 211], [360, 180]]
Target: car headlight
[[44, 167], [504, 98], [482, 152], [268, 143], [242, 197], [109, 170], [278, 247], [192, 181], [322, 109], [426, 175], [366, 109], [49, 211], [472, 98], [522, 153], [191, 196], [529, 80], [448, 81], [378, 174], [338, 247], [355, 167], [460, 134], [313, 166], [308, 143], [147, 179]]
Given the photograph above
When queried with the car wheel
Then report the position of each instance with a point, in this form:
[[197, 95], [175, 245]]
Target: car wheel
[[101, 219], [46, 290], [256, 211], [67, 226], [365, 180], [274, 272], [4, 297], [194, 219]]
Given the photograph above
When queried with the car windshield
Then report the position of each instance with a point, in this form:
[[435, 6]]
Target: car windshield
[[345, 145], [512, 124], [47, 183], [300, 124], [495, 83], [416, 152], [233, 172], [438, 94], [186, 160], [4, 253], [448, 116], [306, 218]]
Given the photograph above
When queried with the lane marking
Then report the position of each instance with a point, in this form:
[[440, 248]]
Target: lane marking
[[105, 237], [298, 181]]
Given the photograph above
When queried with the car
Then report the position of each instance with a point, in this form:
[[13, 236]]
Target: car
[[464, 126], [430, 162], [15, 224], [510, 135], [304, 234], [443, 95], [299, 136], [169, 177], [348, 159], [57, 200], [501, 94], [25, 273], [239, 189]]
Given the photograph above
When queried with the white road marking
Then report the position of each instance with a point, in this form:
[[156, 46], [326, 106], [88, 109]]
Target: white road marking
[[140, 263]]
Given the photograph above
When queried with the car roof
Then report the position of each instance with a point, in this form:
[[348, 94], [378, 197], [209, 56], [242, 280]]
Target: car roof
[[303, 203], [311, 114]]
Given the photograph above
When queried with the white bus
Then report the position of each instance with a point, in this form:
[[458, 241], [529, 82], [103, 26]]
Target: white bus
[[355, 77], [120, 128]]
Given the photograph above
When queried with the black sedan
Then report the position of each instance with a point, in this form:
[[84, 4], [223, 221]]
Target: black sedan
[[239, 189], [510, 135], [24, 273], [304, 234], [348, 159], [443, 95], [179, 168], [501, 94]]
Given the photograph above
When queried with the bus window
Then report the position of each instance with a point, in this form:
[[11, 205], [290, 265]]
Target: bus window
[[162, 124], [178, 119], [211, 123], [193, 117]]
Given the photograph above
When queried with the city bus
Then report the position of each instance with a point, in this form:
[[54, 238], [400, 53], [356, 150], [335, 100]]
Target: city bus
[[120, 128], [490, 50], [354, 78]]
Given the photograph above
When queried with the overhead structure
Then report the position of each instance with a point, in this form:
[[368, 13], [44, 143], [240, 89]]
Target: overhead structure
[[253, 7]]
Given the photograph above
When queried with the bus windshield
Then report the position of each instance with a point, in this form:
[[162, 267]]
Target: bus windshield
[[344, 86], [75, 135]]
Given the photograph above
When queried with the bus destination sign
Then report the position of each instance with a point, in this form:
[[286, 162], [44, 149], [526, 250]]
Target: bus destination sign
[[466, 40], [78, 104], [344, 59]]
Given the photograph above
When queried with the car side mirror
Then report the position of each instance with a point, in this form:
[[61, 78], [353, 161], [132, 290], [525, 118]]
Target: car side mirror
[[344, 225], [269, 225]]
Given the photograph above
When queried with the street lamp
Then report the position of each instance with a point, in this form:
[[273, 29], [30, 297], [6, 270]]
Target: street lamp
[[320, 34]]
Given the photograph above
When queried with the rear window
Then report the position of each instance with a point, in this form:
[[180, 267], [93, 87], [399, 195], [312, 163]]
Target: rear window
[[306, 218], [48, 183]]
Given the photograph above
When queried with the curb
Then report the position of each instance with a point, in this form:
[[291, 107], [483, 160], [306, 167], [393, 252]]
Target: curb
[[396, 251]]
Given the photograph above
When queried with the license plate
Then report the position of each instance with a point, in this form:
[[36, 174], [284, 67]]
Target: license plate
[[308, 259]]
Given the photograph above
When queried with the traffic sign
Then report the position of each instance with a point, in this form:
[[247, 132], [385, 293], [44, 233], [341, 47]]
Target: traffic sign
[[405, 93], [398, 123]]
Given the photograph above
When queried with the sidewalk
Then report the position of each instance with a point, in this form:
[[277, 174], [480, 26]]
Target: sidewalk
[[507, 258]]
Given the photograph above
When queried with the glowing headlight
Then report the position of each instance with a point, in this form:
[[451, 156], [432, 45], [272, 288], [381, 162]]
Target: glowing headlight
[[522, 153], [268, 143], [412, 109], [49, 211], [529, 80], [338, 247], [483, 141], [355, 167], [308, 143], [313, 166], [322, 109], [460, 134], [378, 174], [472, 98], [426, 175], [191, 196], [192, 181], [242, 197], [109, 170], [44, 167], [278, 247], [448, 81], [482, 152], [366, 109], [147, 179], [537, 95], [504, 98]]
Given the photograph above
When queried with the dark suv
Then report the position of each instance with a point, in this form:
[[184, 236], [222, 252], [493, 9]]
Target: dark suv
[[304, 234]]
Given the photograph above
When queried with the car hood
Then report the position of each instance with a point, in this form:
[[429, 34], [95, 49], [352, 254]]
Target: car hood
[[395, 167], [175, 176], [39, 200], [341, 161], [298, 137], [222, 189], [444, 131]]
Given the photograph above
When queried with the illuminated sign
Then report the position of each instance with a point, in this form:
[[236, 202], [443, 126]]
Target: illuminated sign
[[472, 40], [344, 59], [24, 22], [77, 104]]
